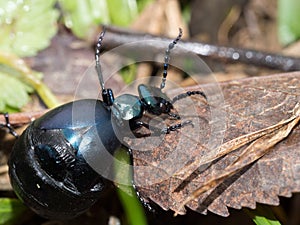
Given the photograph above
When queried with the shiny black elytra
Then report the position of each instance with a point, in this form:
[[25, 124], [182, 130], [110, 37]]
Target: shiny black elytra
[[47, 169]]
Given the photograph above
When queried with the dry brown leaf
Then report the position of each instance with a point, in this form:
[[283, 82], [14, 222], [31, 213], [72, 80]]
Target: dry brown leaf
[[258, 160]]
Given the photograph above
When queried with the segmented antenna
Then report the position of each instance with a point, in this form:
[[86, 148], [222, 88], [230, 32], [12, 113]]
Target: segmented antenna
[[167, 58], [97, 59], [107, 94]]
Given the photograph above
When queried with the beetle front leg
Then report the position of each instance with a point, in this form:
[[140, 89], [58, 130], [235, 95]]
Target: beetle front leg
[[174, 116], [146, 204], [138, 124], [177, 126], [159, 131]]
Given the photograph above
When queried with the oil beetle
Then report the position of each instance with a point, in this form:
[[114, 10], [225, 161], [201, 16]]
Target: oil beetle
[[47, 167]]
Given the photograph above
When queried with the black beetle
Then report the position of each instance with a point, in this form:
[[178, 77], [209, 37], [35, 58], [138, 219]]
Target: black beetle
[[47, 169]]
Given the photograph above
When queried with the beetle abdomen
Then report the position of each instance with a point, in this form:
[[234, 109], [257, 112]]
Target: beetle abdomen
[[46, 176], [48, 170]]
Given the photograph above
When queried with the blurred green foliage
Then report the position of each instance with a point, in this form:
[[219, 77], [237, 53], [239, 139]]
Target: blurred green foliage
[[11, 99], [83, 16], [17, 81], [262, 215], [27, 27], [288, 21], [11, 211]]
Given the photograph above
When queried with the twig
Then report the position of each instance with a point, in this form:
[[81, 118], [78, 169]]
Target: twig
[[3, 169], [116, 37], [18, 119]]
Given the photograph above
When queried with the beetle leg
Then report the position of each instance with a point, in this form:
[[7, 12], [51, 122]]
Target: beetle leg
[[174, 116], [8, 126], [156, 130], [177, 126], [187, 94], [138, 124], [144, 202]]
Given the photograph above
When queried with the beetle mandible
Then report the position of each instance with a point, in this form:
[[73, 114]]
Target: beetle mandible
[[47, 169]]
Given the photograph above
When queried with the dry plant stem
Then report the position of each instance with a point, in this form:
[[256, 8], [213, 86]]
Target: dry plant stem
[[257, 149], [227, 24]]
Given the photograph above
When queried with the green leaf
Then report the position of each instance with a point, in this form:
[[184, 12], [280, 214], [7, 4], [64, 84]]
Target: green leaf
[[129, 73], [262, 215], [288, 20], [122, 12], [14, 93], [27, 26], [18, 80], [83, 16], [141, 4], [11, 211]]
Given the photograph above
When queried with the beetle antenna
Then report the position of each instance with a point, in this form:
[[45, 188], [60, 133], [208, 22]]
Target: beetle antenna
[[107, 94], [167, 58], [97, 59]]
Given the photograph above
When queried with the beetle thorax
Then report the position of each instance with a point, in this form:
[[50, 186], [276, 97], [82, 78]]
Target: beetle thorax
[[126, 107]]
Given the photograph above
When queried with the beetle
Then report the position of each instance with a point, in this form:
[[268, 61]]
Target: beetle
[[47, 167]]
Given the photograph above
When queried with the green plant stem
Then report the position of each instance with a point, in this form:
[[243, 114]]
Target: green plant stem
[[132, 206]]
